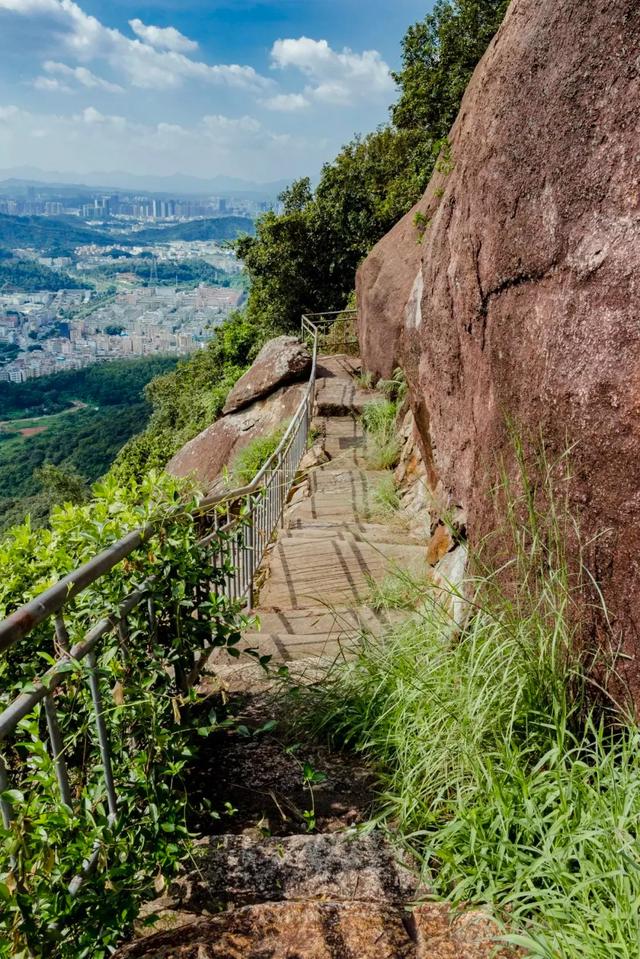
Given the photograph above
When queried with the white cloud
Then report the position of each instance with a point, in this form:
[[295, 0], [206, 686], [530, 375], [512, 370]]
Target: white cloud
[[335, 77], [9, 112], [81, 75], [86, 39], [286, 102], [51, 85], [91, 140], [165, 38]]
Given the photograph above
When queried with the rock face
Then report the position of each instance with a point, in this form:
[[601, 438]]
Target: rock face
[[204, 457], [521, 297], [280, 361]]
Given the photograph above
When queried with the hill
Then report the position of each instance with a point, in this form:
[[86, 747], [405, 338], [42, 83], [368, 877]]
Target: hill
[[218, 228], [28, 276], [55, 235], [60, 235]]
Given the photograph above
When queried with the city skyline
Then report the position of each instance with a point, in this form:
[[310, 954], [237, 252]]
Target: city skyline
[[258, 90]]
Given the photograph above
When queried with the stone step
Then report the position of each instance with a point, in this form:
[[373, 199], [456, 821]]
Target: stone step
[[324, 930], [237, 870], [361, 532], [331, 476], [339, 365], [311, 572], [284, 930], [343, 506], [338, 397], [338, 427], [346, 621]]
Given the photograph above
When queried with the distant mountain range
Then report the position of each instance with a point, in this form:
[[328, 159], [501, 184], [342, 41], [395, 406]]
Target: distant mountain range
[[19, 178]]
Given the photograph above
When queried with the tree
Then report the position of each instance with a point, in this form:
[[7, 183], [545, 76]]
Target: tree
[[304, 259], [61, 484]]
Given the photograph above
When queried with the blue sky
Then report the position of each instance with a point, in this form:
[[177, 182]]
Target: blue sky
[[251, 88]]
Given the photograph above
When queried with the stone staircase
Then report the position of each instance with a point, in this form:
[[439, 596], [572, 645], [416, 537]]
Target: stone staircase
[[338, 893]]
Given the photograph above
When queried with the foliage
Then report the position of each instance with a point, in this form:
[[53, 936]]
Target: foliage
[[149, 717], [254, 455], [168, 271], [439, 54], [189, 399], [394, 389], [215, 228], [304, 259], [385, 497], [60, 236], [28, 276], [57, 237], [82, 443], [61, 484], [8, 352], [497, 764], [103, 384], [382, 444], [85, 442]]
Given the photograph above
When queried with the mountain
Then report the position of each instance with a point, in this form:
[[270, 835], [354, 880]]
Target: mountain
[[58, 235], [19, 178], [46, 233], [220, 228]]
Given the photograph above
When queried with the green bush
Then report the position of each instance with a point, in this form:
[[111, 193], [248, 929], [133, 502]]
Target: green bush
[[254, 455], [149, 718]]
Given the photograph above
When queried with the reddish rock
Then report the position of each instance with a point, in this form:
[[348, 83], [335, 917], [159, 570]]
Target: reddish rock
[[282, 360], [204, 457], [439, 544], [285, 930], [523, 296]]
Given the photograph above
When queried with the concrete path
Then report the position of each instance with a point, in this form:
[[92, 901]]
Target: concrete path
[[336, 539]]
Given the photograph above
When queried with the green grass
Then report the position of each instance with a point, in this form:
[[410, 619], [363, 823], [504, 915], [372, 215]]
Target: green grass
[[382, 444], [254, 455], [496, 765], [395, 389], [364, 380], [386, 499]]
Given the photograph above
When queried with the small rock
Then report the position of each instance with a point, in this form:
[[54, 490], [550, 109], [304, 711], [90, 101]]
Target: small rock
[[315, 456], [439, 545]]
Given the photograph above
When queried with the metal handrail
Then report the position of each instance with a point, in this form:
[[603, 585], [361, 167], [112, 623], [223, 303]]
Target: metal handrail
[[241, 523]]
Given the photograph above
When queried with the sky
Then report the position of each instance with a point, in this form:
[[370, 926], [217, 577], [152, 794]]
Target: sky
[[258, 89]]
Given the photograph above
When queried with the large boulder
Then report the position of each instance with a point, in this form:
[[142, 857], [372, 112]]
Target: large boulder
[[282, 360], [204, 457], [516, 291]]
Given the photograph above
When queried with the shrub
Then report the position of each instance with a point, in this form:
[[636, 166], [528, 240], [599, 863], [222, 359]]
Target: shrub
[[145, 709], [382, 445], [254, 455]]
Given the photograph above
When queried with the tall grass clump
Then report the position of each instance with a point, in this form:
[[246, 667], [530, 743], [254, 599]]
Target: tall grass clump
[[254, 455], [382, 444], [498, 765]]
